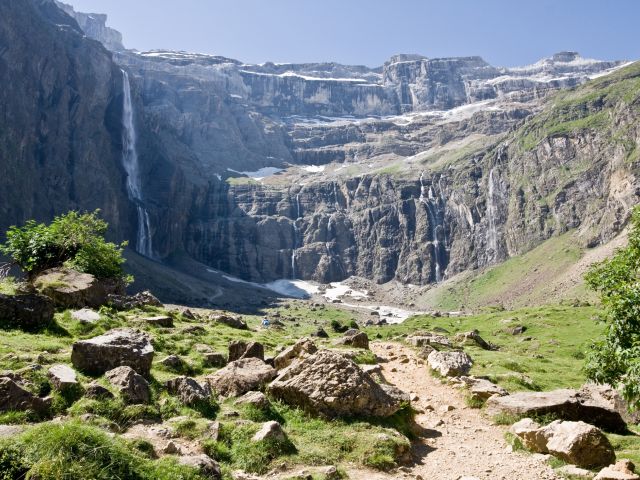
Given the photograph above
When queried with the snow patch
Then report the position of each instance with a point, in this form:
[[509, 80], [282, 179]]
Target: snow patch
[[259, 174], [314, 168]]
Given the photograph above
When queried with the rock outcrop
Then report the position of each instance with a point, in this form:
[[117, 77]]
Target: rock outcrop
[[15, 398], [72, 289], [302, 347], [116, 348], [330, 385], [239, 349], [566, 404]]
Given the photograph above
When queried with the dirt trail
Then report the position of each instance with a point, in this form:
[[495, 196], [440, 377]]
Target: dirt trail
[[457, 442]]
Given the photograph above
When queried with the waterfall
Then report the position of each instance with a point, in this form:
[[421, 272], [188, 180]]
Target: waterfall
[[492, 234], [436, 229], [293, 251], [132, 168], [335, 196], [298, 204]]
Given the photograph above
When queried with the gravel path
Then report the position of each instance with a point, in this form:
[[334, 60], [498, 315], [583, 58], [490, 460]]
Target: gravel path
[[456, 441]]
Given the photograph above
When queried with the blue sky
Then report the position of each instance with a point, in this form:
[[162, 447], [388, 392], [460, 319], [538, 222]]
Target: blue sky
[[504, 32]]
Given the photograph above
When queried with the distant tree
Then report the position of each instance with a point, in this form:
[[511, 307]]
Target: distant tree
[[75, 240], [616, 358]]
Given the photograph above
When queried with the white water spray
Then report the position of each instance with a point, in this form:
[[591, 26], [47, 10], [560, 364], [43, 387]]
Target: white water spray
[[132, 167], [429, 199]]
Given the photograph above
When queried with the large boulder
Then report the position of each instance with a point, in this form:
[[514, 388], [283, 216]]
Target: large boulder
[[566, 404], [116, 348], [14, 397], [355, 338], [239, 349], [302, 347], [423, 339], [450, 364], [473, 338], [29, 312], [328, 384], [72, 289], [270, 431], [132, 386], [241, 376], [129, 302], [579, 443], [189, 390]]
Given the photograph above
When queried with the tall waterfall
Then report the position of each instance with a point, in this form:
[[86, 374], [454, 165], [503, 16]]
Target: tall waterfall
[[437, 234], [132, 167], [492, 211]]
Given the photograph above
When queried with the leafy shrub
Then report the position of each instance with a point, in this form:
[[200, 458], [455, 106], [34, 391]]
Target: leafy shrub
[[74, 239], [338, 327]]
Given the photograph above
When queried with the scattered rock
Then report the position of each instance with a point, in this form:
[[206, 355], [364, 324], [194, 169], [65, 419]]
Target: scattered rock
[[189, 391], [483, 389], [254, 399], [194, 330], [14, 397], [239, 349], [530, 434], [241, 376], [571, 471], [95, 390], [72, 289], [187, 314], [623, 469], [173, 362], [473, 338], [86, 316], [302, 347], [565, 404], [63, 378], [163, 321], [29, 312], [425, 339], [129, 302], [328, 384], [321, 333], [207, 467], [271, 431], [214, 359], [133, 387], [450, 364], [517, 330], [119, 347], [355, 338], [228, 320]]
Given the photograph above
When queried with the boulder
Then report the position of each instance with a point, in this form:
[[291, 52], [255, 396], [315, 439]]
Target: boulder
[[116, 348], [129, 302], [483, 389], [29, 312], [328, 384], [517, 330], [592, 395], [578, 443], [95, 390], [63, 378], [72, 289], [133, 387], [530, 434], [565, 404], [188, 390], [257, 400], [214, 359], [163, 321], [239, 349], [85, 315], [424, 339], [575, 473], [473, 338], [14, 397], [301, 348], [355, 338], [241, 376], [270, 431], [173, 362], [228, 320], [206, 466], [623, 469], [450, 364]]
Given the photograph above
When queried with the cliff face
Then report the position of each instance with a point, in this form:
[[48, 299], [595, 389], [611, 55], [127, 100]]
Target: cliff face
[[413, 171], [60, 135]]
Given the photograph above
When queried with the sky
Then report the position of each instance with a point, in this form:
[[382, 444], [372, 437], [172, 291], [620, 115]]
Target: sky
[[368, 32]]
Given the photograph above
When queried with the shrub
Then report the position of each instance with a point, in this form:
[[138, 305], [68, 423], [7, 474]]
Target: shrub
[[74, 239]]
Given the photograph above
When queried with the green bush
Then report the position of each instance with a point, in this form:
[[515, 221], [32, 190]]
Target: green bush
[[75, 240]]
